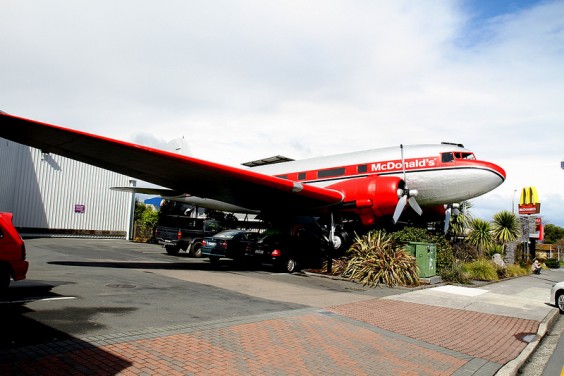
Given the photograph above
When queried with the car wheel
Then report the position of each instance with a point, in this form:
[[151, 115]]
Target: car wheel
[[196, 249], [560, 301], [172, 249], [291, 265]]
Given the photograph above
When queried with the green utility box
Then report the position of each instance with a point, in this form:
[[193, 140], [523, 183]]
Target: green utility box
[[426, 256]]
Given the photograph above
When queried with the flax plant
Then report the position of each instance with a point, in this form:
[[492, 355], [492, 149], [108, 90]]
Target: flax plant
[[375, 259]]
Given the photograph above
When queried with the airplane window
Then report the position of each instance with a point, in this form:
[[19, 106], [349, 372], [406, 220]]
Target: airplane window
[[301, 176], [464, 156], [361, 168], [331, 172], [282, 176], [447, 157]]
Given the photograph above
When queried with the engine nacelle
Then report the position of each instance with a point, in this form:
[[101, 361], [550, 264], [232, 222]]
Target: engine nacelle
[[370, 197]]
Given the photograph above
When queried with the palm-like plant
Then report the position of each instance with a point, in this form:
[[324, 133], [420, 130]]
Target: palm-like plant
[[505, 227], [460, 222], [480, 234], [375, 259]]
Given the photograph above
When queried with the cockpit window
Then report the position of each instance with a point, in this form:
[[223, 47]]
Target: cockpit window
[[449, 157]]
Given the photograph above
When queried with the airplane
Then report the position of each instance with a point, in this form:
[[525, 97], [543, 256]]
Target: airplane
[[348, 192]]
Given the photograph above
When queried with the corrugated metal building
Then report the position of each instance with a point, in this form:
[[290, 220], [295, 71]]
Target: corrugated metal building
[[58, 196]]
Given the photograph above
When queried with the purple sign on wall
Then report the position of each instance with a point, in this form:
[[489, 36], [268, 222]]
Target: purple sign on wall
[[79, 208]]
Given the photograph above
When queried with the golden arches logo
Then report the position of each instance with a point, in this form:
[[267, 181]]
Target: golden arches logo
[[529, 202]]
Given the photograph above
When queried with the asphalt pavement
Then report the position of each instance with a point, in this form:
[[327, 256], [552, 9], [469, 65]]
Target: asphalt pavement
[[488, 329]]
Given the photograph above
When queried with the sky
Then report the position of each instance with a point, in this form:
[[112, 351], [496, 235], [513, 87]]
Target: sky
[[244, 80]]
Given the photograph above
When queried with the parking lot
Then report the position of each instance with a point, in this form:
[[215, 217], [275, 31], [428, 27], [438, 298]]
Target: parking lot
[[88, 287], [98, 306]]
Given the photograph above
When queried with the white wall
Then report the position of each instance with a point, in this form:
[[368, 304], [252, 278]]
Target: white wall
[[45, 191]]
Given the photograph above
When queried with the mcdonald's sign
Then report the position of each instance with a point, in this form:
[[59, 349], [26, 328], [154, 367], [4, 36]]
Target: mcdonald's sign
[[529, 202], [539, 230]]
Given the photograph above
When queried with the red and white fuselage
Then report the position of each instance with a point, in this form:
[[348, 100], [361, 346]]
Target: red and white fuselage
[[441, 173]]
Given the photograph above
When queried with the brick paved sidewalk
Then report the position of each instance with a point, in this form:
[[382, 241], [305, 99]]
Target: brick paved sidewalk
[[492, 337], [375, 337]]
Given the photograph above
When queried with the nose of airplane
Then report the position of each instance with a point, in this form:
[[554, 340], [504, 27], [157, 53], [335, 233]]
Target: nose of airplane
[[498, 171], [497, 176]]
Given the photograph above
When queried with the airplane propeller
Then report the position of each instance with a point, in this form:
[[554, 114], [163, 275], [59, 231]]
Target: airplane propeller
[[406, 195]]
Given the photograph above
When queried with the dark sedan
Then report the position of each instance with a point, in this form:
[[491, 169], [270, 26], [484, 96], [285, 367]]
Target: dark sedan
[[229, 244], [286, 253]]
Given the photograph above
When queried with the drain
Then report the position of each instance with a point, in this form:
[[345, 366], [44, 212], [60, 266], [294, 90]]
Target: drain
[[526, 337], [327, 313], [121, 286]]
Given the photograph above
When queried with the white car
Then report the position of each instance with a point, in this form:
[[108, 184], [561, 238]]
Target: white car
[[557, 296]]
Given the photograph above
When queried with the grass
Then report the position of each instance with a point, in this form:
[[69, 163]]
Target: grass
[[481, 270]]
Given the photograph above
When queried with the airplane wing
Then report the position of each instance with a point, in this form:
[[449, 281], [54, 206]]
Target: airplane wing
[[179, 173], [163, 192], [188, 199]]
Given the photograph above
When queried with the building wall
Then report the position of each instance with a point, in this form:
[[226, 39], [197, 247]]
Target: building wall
[[54, 194]]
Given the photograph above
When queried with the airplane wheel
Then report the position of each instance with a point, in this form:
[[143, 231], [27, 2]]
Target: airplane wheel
[[340, 243], [196, 250]]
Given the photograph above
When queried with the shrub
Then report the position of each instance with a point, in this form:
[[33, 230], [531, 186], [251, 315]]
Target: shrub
[[481, 270], [493, 249], [374, 259], [338, 266], [516, 270], [501, 272], [552, 263], [464, 252], [454, 273], [445, 255]]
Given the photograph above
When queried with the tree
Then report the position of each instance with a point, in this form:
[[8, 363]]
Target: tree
[[480, 235], [505, 227], [553, 233], [459, 223], [145, 215]]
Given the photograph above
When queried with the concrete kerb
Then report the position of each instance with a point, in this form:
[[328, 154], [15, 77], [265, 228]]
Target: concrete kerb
[[424, 284], [512, 367]]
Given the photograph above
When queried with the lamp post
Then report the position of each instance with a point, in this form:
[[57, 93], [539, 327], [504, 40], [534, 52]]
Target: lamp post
[[513, 202]]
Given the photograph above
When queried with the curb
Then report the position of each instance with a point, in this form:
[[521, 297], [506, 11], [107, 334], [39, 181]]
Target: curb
[[513, 367], [339, 278]]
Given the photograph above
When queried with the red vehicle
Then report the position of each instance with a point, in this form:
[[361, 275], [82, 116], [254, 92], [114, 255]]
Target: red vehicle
[[13, 264]]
